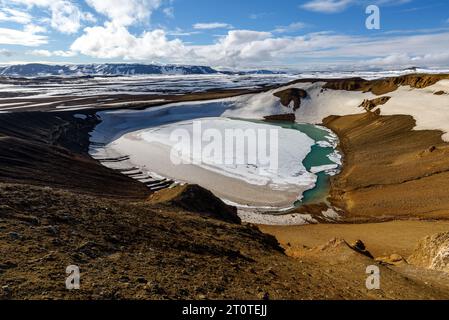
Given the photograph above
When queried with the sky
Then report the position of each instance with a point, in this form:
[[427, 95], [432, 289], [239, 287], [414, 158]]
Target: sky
[[234, 34]]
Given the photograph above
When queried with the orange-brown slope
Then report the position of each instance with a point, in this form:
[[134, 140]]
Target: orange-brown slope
[[385, 85], [50, 149], [390, 170]]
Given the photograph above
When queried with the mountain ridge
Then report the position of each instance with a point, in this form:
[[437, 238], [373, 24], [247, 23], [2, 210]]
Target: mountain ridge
[[108, 69], [114, 69]]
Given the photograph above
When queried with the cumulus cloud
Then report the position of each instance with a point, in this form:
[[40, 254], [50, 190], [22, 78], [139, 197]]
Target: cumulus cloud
[[66, 16], [237, 47], [292, 27], [33, 29], [6, 53], [28, 36], [115, 41], [23, 38], [47, 53], [125, 13], [178, 32], [240, 48], [212, 25], [13, 15]]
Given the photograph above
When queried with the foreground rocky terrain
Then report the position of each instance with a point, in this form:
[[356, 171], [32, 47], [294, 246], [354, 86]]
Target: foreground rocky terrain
[[135, 250]]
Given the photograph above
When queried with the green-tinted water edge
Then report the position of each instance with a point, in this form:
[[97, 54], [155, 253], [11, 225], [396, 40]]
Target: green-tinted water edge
[[317, 157]]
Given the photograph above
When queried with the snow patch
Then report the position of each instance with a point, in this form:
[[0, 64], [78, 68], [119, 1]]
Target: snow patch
[[276, 220], [331, 214]]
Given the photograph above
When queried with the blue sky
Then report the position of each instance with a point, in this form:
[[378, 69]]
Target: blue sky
[[309, 34]]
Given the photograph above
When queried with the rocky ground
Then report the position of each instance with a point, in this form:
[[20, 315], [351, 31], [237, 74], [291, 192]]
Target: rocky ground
[[135, 250]]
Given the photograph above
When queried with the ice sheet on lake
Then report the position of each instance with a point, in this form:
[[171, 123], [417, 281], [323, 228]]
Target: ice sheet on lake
[[290, 149]]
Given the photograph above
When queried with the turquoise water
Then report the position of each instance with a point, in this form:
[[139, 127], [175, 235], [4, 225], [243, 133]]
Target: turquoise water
[[317, 157]]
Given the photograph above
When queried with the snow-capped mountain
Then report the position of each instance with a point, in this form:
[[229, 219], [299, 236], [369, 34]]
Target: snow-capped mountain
[[36, 69]]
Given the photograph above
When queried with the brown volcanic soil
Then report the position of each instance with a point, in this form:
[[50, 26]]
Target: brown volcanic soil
[[134, 250], [386, 85], [382, 239], [390, 171], [50, 149]]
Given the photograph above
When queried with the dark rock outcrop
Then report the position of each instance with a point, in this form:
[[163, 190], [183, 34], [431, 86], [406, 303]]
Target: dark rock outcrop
[[194, 198], [288, 117], [369, 105], [291, 95], [360, 247]]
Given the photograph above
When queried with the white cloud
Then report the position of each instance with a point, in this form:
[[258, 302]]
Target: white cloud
[[66, 16], [327, 6], [13, 15], [392, 2], [212, 25], [240, 48], [6, 53], [33, 29], [292, 27], [125, 13], [169, 12], [334, 6], [40, 53], [23, 38], [407, 60], [47, 53], [112, 41], [65, 54], [255, 16], [178, 32]]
